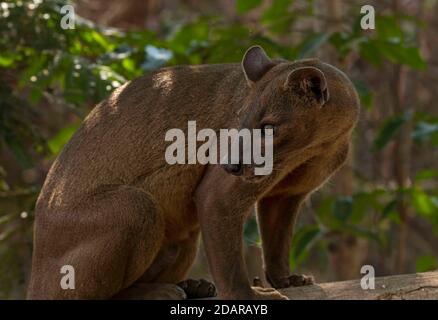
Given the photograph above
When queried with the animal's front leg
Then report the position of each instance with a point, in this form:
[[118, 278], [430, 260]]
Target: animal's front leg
[[223, 202], [276, 218]]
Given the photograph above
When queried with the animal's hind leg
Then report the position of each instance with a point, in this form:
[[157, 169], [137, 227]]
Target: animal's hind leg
[[110, 241], [184, 254], [164, 278], [177, 272]]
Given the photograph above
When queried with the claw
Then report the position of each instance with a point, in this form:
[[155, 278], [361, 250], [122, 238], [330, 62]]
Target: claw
[[257, 282], [198, 289], [298, 280]]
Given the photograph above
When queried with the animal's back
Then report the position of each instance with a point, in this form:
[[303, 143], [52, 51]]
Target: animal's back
[[122, 139]]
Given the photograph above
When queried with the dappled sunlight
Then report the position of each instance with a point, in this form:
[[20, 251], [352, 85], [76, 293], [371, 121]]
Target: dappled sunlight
[[164, 81]]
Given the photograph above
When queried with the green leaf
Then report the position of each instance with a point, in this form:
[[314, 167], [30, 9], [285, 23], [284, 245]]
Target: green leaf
[[401, 54], [390, 208], [251, 231], [362, 232], [311, 44], [423, 203], [369, 52], [276, 10], [324, 213], [424, 131], [365, 94], [6, 61], [426, 263], [393, 50], [19, 152], [129, 64], [7, 234], [363, 203], [61, 138], [387, 27], [35, 95], [390, 129], [302, 242], [278, 18], [7, 218], [342, 43], [185, 39], [426, 174], [101, 40], [342, 208], [243, 6], [411, 57]]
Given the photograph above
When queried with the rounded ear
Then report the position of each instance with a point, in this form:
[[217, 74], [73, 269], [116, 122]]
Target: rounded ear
[[309, 80], [255, 64]]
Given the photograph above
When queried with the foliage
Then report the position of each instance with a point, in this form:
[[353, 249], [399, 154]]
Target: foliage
[[41, 64]]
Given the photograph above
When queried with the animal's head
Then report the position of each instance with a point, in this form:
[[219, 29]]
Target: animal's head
[[306, 103]]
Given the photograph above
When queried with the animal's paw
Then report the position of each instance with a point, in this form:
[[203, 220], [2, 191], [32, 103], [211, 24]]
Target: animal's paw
[[169, 292], [198, 289], [299, 280], [294, 280]]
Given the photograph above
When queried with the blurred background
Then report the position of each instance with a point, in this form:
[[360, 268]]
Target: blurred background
[[380, 209]]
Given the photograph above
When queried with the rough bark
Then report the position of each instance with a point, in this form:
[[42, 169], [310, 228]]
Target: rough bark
[[420, 286]]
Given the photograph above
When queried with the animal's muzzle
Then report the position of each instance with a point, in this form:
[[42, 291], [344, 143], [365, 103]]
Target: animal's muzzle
[[234, 169]]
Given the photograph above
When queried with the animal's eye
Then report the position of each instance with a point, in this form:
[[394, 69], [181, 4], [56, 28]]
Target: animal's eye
[[268, 127]]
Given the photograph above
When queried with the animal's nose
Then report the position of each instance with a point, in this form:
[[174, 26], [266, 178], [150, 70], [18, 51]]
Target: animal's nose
[[234, 169]]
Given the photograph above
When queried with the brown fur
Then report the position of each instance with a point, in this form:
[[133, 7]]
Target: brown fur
[[115, 210]]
